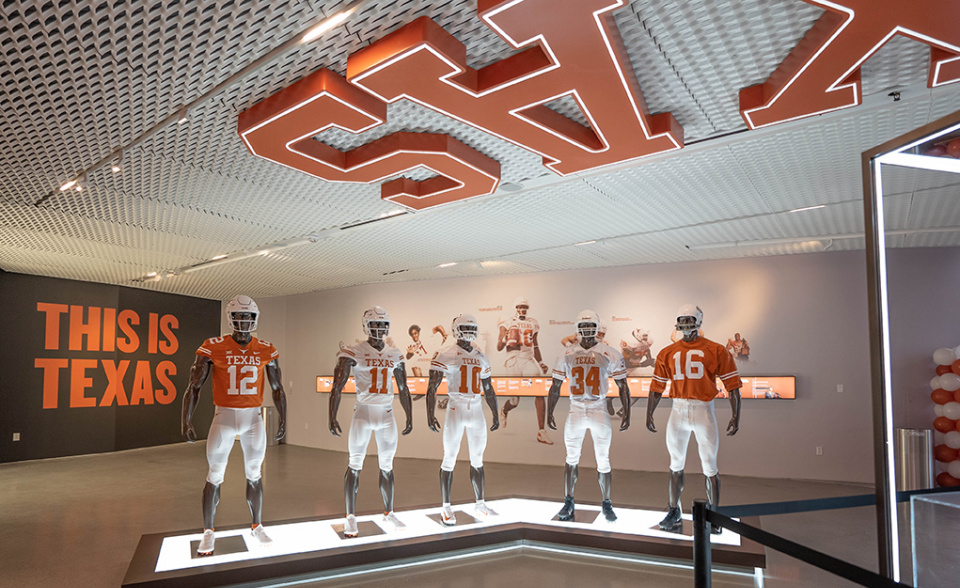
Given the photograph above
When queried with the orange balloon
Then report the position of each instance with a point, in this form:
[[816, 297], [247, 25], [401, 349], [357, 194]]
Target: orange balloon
[[945, 454], [941, 396], [943, 369], [955, 367], [944, 425], [945, 479], [953, 148]]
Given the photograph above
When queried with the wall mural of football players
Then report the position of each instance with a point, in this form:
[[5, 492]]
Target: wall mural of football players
[[692, 366], [373, 361], [589, 367], [518, 336], [418, 353], [637, 354], [739, 347], [468, 376], [240, 364]]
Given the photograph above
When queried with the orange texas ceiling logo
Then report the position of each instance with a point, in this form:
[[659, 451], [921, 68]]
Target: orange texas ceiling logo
[[569, 48], [822, 73]]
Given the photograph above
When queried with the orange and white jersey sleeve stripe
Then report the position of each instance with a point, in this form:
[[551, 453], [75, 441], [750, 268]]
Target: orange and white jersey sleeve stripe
[[727, 369], [561, 367], [661, 373]]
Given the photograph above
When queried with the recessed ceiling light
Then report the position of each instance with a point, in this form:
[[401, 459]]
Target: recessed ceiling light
[[452, 263], [325, 26], [68, 185], [808, 208], [216, 257], [584, 243], [151, 274]]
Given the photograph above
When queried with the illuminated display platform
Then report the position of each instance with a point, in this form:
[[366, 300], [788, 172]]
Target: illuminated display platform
[[754, 387], [317, 545]]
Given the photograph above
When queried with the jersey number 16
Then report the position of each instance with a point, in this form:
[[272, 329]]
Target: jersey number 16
[[692, 366]]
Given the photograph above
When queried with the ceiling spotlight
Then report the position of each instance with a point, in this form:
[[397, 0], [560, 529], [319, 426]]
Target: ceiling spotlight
[[115, 168], [325, 26], [216, 257], [452, 263], [183, 116], [808, 208], [68, 185], [584, 243], [151, 274], [263, 252]]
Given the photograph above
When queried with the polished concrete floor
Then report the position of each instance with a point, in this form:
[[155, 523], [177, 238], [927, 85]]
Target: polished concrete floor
[[76, 521]]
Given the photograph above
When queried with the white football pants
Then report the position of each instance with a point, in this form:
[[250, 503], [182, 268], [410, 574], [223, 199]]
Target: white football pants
[[464, 416], [697, 417], [376, 419], [592, 417], [227, 425], [517, 365]]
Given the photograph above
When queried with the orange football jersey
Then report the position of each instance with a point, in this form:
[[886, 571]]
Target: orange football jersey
[[693, 368], [238, 372]]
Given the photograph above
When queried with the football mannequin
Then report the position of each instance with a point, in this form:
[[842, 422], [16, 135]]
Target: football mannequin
[[373, 412], [692, 366], [519, 336], [589, 366], [468, 375], [240, 364]]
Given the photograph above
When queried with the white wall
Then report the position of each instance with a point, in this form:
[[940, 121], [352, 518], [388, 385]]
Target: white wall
[[804, 315]]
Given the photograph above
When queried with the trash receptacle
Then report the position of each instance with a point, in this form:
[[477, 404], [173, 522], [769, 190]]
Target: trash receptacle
[[913, 450], [272, 422]]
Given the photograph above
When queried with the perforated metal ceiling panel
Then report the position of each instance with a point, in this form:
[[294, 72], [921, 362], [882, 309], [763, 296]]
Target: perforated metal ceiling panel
[[81, 79]]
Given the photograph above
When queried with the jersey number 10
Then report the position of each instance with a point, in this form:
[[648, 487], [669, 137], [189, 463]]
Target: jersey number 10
[[473, 379]]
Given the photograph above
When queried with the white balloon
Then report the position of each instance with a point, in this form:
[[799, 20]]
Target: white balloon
[[944, 356], [935, 382], [950, 382], [953, 468], [938, 409], [952, 439], [951, 410]]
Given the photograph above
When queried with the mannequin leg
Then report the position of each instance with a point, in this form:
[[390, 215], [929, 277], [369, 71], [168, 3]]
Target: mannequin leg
[[211, 498], [255, 499], [570, 473], [386, 490], [477, 479], [606, 480], [351, 482], [673, 521], [675, 488], [446, 482], [713, 498]]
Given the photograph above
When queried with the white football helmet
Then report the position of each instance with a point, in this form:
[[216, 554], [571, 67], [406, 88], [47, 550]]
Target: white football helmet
[[243, 304], [640, 334], [465, 327], [376, 323], [521, 301], [588, 324], [689, 318]]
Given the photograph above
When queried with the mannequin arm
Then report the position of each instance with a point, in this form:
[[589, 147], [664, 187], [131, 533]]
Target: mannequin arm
[[279, 397], [490, 395], [436, 376], [340, 376], [198, 375], [406, 402], [553, 396], [625, 402], [734, 425], [652, 401]]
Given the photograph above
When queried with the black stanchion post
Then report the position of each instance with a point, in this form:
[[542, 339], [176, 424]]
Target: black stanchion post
[[701, 545]]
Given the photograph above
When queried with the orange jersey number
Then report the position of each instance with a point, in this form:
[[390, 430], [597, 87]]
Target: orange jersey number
[[691, 368], [248, 379], [381, 386], [583, 378], [473, 378]]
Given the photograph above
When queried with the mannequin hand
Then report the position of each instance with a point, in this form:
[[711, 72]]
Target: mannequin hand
[[543, 368], [335, 427], [189, 435], [551, 422], [650, 426], [625, 423], [281, 432], [433, 423], [733, 427], [406, 430], [496, 423]]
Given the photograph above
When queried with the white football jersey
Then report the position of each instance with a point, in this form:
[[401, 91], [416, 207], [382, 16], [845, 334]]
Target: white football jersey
[[464, 370], [373, 372], [524, 330], [589, 371]]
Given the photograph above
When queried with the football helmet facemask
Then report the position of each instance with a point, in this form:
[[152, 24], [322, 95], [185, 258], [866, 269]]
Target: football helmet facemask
[[465, 327], [689, 318], [588, 324], [376, 323], [246, 306], [522, 306]]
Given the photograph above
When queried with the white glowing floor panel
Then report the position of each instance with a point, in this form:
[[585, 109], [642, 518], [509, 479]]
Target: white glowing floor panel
[[319, 535]]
